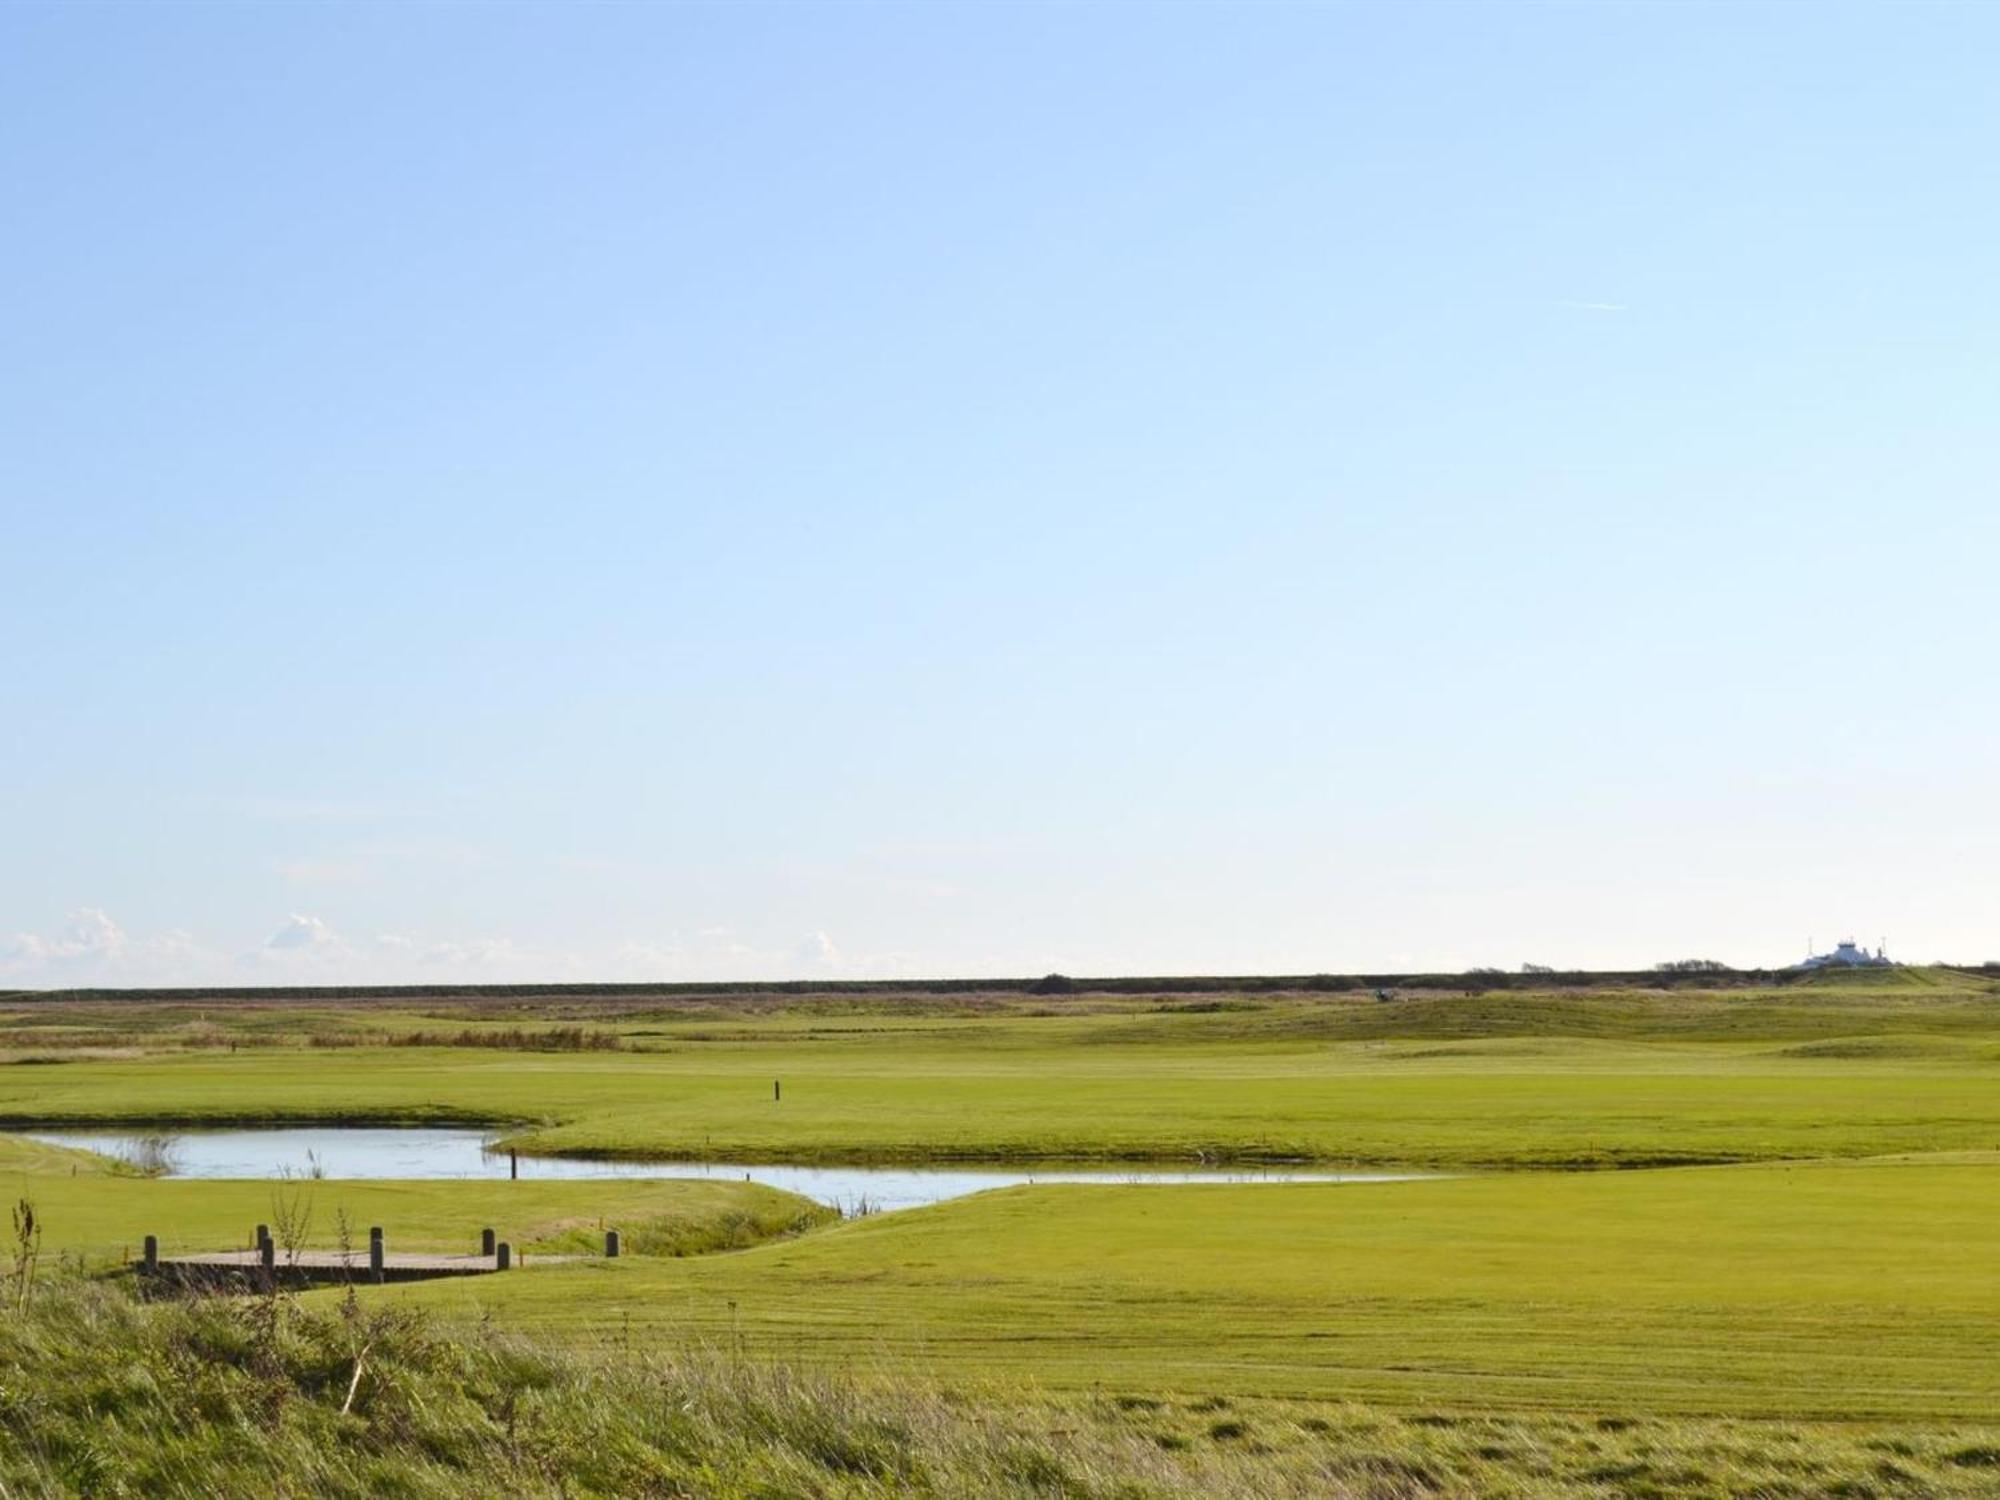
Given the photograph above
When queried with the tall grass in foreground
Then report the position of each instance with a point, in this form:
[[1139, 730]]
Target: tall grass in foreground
[[101, 1394]]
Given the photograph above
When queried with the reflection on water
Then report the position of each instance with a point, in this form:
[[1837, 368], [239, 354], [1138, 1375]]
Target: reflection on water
[[455, 1152]]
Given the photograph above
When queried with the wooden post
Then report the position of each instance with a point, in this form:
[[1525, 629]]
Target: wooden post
[[263, 1235], [513, 1166], [267, 1257], [486, 1241], [376, 1259], [152, 1253], [611, 1244], [777, 1091], [503, 1256]]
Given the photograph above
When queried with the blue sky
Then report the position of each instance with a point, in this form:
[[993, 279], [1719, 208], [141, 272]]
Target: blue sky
[[676, 492]]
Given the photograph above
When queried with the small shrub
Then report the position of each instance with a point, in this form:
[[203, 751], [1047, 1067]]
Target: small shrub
[[548, 1039], [335, 1040]]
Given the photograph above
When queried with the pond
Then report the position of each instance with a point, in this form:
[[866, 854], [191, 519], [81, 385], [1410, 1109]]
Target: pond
[[456, 1152]]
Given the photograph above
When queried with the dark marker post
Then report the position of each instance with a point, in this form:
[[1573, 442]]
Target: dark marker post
[[777, 1091]]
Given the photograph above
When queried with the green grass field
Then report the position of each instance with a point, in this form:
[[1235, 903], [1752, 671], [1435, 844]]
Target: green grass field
[[1835, 1261], [1440, 1081], [1812, 1291]]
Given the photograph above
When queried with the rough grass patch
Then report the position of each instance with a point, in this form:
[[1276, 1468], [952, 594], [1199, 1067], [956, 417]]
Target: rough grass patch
[[1976, 1456]]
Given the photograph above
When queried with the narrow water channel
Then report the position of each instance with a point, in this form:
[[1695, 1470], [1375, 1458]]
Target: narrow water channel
[[349, 1152]]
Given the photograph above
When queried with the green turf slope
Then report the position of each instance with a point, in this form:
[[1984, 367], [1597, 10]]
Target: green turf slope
[[1838, 1291]]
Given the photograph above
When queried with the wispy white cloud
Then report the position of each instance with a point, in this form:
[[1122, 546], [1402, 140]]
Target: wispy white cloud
[[816, 951], [301, 934], [92, 949], [312, 948], [89, 936], [493, 956], [649, 960]]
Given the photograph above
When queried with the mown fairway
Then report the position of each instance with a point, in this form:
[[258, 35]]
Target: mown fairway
[[1809, 1291]]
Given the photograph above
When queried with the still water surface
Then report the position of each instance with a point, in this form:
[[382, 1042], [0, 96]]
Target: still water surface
[[456, 1152]]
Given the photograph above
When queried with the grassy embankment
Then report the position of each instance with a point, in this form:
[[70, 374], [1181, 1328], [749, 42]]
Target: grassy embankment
[[95, 1213], [338, 1397], [1838, 1291]]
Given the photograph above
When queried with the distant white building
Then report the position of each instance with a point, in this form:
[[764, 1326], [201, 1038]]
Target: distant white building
[[1847, 956]]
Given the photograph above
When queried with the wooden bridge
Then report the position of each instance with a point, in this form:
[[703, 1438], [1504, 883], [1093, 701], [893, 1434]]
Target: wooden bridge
[[265, 1265]]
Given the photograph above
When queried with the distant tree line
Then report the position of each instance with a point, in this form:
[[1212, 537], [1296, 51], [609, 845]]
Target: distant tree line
[[1690, 973]]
